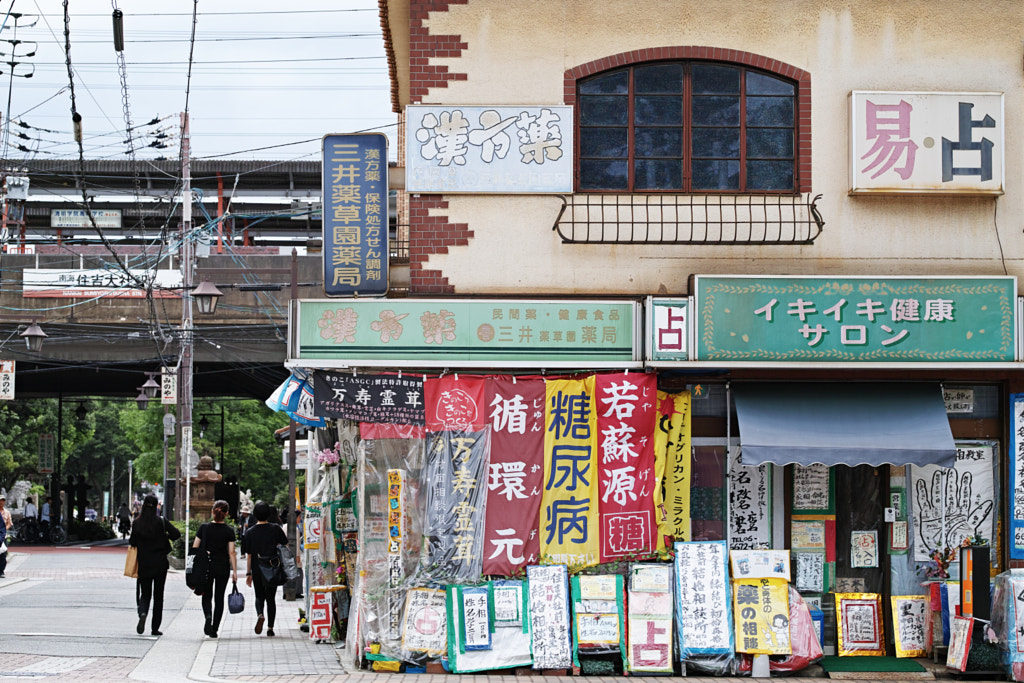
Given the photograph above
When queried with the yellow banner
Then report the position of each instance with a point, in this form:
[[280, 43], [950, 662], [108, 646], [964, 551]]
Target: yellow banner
[[569, 522], [673, 465], [761, 614]]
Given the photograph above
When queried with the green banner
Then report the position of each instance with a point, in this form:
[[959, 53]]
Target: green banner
[[855, 319], [420, 332]]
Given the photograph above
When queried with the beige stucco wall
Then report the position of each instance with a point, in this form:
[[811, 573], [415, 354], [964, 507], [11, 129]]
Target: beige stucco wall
[[518, 51]]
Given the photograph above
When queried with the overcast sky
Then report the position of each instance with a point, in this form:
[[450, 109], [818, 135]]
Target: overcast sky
[[263, 76]]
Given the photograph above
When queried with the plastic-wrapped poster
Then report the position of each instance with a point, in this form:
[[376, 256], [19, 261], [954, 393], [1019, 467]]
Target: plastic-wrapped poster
[[859, 624], [549, 616], [808, 535], [599, 620], [649, 645], [750, 499], [810, 572], [703, 617], [1017, 477], [311, 524], [761, 613], [910, 622], [760, 564], [424, 629], [508, 603], [864, 548], [476, 618], [510, 643], [959, 643]]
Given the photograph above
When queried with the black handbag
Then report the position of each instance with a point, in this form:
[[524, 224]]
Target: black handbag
[[236, 601], [197, 567], [271, 570]]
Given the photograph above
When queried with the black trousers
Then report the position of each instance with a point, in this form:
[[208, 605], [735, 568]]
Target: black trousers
[[265, 595], [145, 589], [213, 600], [3, 555]]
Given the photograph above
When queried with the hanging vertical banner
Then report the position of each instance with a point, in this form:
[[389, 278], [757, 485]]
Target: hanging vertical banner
[[909, 622], [1017, 477], [761, 610], [625, 405], [396, 565], [455, 404], [569, 519], [456, 494], [7, 380], [355, 214], [672, 447], [515, 474], [703, 617], [750, 486], [549, 616]]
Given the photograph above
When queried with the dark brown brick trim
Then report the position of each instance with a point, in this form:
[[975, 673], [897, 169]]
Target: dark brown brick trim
[[431, 235], [423, 46], [803, 79]]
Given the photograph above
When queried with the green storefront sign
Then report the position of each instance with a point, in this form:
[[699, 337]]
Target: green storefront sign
[[467, 333], [855, 319]]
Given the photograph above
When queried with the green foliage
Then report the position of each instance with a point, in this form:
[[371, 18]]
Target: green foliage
[[90, 531]]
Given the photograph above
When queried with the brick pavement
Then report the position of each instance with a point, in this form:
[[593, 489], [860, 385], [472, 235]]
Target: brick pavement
[[20, 667]]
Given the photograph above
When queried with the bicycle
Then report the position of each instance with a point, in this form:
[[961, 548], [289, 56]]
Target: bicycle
[[30, 531]]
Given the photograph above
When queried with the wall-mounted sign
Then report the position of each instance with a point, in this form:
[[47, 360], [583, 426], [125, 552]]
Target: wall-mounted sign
[[168, 386], [46, 450], [7, 380], [79, 218], [855, 319], [927, 142], [468, 333], [355, 214], [1017, 476], [958, 401], [475, 149], [53, 283], [669, 329]]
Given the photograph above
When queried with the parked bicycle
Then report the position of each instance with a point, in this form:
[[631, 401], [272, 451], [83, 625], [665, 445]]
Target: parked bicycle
[[31, 531]]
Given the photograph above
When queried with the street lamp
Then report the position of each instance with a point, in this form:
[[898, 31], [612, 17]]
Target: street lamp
[[33, 337], [206, 295], [142, 400], [151, 388], [81, 412]]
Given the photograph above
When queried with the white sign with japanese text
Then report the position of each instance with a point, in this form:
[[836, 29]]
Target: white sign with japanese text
[[7, 380], [927, 142], [474, 149], [669, 328]]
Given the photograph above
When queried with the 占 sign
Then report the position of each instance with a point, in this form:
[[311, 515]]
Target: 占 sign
[[668, 322], [855, 319], [926, 142], [355, 214]]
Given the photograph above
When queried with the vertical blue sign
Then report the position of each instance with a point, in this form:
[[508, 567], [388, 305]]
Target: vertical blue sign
[[355, 201]]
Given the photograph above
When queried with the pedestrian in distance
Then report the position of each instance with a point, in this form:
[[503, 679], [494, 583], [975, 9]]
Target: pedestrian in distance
[[31, 511], [261, 541], [152, 536], [219, 539], [6, 524], [124, 519]]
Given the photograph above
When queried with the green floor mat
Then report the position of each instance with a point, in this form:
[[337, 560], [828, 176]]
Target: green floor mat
[[869, 664]]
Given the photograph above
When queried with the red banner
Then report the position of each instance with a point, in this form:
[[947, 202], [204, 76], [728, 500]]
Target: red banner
[[626, 416], [455, 403], [515, 475]]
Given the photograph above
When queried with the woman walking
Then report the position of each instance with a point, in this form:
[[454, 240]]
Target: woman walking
[[261, 542], [151, 537], [219, 539]]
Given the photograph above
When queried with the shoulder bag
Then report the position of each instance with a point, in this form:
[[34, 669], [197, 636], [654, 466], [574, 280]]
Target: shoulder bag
[[291, 571], [271, 570], [197, 566]]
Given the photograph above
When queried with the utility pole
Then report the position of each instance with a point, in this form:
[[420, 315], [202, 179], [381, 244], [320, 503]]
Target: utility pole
[[292, 526], [186, 256]]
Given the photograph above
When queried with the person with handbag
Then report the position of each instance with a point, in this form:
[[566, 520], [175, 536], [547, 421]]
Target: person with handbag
[[218, 539], [263, 568], [151, 537], [6, 524]]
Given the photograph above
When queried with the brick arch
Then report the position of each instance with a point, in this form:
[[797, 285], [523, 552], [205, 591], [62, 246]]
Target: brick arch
[[774, 66]]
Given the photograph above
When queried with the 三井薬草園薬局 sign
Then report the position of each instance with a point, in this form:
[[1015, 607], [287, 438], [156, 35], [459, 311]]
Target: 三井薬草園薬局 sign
[[855, 319], [355, 214], [480, 332]]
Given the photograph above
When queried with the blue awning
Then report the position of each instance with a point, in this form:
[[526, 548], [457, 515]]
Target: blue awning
[[851, 423]]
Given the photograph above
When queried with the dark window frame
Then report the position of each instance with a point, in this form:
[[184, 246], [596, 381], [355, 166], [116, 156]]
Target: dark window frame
[[802, 167]]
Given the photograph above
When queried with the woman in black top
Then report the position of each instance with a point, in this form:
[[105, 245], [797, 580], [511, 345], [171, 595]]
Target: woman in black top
[[151, 537], [261, 541], [218, 538]]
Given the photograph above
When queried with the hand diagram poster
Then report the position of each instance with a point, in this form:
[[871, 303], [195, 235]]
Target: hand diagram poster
[[949, 505]]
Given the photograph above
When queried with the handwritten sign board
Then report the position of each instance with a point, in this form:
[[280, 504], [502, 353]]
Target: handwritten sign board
[[649, 645], [425, 628], [749, 504], [761, 612], [909, 621], [320, 616], [808, 535], [813, 490], [864, 548], [508, 603], [476, 618], [810, 572], [859, 624], [959, 643], [1017, 476], [958, 401], [596, 629], [549, 616], [7, 380], [599, 613], [703, 618], [760, 564]]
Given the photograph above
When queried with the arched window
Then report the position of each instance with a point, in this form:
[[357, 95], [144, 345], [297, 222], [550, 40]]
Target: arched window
[[687, 126]]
